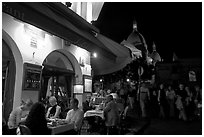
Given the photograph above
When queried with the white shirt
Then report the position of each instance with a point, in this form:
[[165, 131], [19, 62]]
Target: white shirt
[[15, 118], [75, 117]]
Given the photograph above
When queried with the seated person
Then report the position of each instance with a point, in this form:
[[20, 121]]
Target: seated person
[[55, 110], [36, 120], [16, 117], [86, 104], [75, 116]]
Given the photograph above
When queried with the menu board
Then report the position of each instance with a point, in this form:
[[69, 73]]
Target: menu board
[[32, 75], [88, 85]]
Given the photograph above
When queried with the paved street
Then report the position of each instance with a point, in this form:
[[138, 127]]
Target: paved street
[[156, 126], [173, 127]]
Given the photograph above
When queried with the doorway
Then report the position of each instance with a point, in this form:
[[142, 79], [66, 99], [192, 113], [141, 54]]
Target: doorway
[[57, 80], [8, 80]]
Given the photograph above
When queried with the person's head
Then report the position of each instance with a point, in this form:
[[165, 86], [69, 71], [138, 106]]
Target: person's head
[[37, 110], [161, 86], [109, 98], [74, 103], [181, 86], [52, 100], [187, 89], [88, 97], [36, 117], [28, 104], [143, 84], [197, 88], [170, 87]]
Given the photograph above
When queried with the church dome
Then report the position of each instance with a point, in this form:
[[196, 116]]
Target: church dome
[[137, 39], [155, 56]]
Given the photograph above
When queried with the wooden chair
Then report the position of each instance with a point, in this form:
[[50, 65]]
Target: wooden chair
[[24, 130]]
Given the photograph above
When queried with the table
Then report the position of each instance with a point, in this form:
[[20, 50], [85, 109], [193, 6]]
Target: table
[[60, 128], [94, 113]]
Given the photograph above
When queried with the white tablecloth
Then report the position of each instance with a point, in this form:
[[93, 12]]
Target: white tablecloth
[[94, 113], [61, 128]]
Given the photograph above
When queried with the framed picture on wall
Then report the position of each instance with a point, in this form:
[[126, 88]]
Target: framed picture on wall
[[32, 76], [87, 83]]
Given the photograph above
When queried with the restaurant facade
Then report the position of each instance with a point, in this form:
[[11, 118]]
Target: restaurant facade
[[42, 56]]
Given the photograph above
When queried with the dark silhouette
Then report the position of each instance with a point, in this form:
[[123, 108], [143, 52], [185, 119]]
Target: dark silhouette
[[36, 120]]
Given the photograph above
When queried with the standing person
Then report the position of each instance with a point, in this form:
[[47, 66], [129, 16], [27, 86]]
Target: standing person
[[144, 97], [74, 116], [111, 115], [131, 91], [181, 102], [36, 120], [198, 101], [162, 101], [189, 103], [123, 93], [154, 102], [16, 117], [171, 99], [55, 110]]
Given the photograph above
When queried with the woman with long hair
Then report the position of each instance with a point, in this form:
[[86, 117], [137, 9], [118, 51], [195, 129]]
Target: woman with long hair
[[36, 120]]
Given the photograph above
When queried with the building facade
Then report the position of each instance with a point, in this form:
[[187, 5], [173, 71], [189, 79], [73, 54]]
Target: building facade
[[37, 63]]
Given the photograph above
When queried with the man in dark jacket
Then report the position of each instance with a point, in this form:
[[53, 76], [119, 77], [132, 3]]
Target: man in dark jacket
[[111, 114]]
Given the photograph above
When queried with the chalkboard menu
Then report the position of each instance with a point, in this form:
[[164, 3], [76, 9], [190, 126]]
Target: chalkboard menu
[[32, 74]]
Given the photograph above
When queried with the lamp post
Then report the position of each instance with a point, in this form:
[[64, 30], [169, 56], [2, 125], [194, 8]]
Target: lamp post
[[140, 72]]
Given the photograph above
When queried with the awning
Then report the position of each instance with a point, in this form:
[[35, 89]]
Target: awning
[[103, 66], [58, 20], [136, 53]]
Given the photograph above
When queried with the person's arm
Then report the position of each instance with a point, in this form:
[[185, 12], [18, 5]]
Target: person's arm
[[18, 116], [107, 108], [68, 118], [58, 110], [148, 93], [48, 112], [23, 119], [158, 96], [166, 93]]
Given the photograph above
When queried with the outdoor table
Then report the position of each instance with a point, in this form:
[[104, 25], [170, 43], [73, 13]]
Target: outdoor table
[[60, 128], [94, 113]]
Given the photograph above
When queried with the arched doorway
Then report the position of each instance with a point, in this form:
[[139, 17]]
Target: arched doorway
[[57, 79], [13, 88], [8, 79]]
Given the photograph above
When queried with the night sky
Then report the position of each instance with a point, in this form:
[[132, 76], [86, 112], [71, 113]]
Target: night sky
[[173, 27]]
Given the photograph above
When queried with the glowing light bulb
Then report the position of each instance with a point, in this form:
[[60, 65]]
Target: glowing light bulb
[[95, 55]]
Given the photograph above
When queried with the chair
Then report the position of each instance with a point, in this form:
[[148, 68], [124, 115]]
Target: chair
[[24, 130], [84, 127]]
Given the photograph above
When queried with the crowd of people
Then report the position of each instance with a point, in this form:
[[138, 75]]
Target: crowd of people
[[161, 101], [182, 102], [164, 101]]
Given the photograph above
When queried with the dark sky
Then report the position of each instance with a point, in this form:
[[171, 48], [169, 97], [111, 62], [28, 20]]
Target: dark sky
[[174, 27]]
